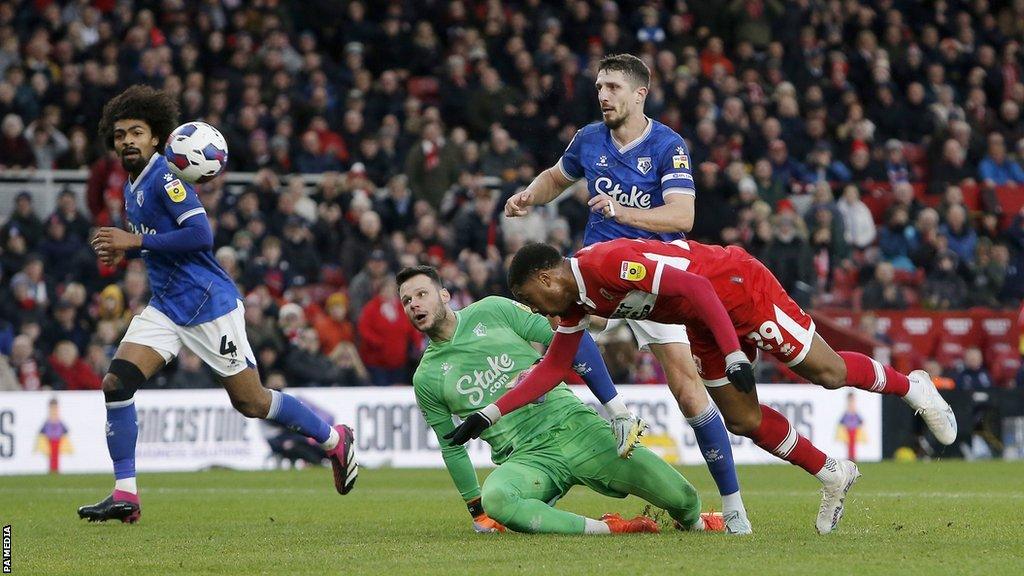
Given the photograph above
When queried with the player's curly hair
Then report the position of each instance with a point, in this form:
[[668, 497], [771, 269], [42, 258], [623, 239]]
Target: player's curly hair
[[529, 260], [140, 102], [635, 70]]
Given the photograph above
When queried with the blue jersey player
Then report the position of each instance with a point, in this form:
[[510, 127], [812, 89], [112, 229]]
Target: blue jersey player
[[194, 303], [637, 171]]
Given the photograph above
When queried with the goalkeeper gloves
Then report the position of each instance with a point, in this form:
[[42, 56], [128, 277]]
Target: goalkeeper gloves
[[482, 523], [739, 371], [474, 425]]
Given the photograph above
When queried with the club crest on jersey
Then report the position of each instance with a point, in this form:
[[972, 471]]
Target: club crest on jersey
[[602, 162], [633, 271], [139, 198], [480, 330], [644, 164], [175, 190]]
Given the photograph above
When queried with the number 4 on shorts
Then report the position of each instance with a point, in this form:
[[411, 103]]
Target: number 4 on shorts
[[227, 347]]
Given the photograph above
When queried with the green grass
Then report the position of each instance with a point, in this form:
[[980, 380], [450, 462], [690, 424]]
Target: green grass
[[937, 518]]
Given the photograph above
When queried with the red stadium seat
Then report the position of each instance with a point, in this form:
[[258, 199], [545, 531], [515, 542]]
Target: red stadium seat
[[425, 88], [957, 333]]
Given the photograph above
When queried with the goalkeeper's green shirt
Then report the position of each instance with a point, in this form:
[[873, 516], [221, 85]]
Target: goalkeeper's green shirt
[[491, 345]]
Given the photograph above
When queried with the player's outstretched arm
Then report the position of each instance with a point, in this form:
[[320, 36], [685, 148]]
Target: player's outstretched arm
[[554, 368], [544, 188]]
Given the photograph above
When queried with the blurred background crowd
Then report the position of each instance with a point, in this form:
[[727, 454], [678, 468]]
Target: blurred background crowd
[[868, 151]]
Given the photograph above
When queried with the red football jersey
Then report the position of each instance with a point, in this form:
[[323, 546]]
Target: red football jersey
[[622, 278]]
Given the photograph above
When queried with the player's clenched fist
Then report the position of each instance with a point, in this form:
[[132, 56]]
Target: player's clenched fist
[[604, 205], [519, 204]]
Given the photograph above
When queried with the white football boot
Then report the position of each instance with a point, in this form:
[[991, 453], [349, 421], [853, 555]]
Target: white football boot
[[628, 430], [833, 493], [737, 523], [934, 410]]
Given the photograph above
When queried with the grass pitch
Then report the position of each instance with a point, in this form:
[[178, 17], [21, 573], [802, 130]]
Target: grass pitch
[[935, 518]]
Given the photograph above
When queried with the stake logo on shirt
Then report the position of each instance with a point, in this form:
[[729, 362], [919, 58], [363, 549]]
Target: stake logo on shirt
[[478, 383]]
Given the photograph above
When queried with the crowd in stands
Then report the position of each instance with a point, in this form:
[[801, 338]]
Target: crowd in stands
[[868, 151]]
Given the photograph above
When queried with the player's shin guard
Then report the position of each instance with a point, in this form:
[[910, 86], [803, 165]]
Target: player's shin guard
[[713, 440], [869, 374], [777, 436], [289, 412]]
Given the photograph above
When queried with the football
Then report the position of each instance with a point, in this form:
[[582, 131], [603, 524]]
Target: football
[[197, 152]]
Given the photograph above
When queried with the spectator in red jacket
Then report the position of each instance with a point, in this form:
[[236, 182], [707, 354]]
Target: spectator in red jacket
[[75, 372], [334, 327], [386, 337]]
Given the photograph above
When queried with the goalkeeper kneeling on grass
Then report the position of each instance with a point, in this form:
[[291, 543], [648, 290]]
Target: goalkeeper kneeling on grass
[[475, 355]]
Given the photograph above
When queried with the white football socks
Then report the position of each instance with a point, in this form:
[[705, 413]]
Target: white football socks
[[616, 408], [126, 485], [332, 440], [595, 527]]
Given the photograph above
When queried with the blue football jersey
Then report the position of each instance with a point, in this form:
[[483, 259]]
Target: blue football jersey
[[189, 288], [639, 175]]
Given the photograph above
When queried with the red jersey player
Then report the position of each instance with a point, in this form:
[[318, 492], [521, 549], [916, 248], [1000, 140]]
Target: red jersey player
[[668, 282]]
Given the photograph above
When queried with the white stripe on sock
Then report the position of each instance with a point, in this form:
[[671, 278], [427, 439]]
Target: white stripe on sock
[[879, 375], [275, 404], [787, 444], [121, 403], [708, 414]]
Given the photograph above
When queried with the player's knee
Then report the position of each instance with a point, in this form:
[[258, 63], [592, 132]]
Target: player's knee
[[831, 376], [256, 406], [744, 424], [121, 381], [499, 502]]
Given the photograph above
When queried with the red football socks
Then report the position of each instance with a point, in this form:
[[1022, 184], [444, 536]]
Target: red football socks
[[868, 374]]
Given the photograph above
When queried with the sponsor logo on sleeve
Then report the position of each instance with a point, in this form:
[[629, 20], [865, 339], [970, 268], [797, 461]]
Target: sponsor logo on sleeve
[[632, 271], [680, 161], [175, 190]]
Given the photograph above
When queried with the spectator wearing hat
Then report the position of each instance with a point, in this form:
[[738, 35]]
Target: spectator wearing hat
[[334, 327], [24, 222], [864, 168], [788, 255]]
